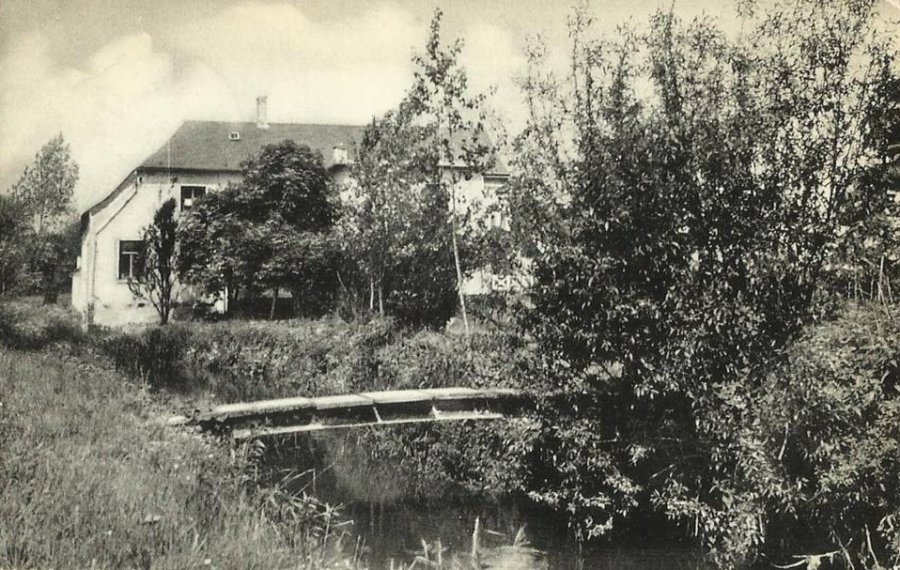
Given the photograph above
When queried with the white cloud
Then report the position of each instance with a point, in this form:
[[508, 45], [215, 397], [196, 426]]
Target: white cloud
[[126, 98]]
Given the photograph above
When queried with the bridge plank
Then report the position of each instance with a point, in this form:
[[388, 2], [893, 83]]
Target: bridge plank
[[343, 401], [398, 396], [257, 432], [301, 414], [264, 406]]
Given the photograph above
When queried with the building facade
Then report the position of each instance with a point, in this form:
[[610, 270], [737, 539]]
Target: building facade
[[200, 157]]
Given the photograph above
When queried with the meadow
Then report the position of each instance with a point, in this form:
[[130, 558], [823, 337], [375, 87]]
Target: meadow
[[90, 477]]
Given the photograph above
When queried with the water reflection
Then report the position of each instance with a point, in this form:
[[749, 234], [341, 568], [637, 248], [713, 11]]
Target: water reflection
[[398, 521]]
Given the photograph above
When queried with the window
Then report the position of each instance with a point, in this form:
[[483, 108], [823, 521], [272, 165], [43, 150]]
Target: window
[[234, 136], [189, 194], [130, 252]]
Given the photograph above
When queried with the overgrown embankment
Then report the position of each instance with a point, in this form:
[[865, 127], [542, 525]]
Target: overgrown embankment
[[89, 478], [243, 360], [109, 482], [247, 360]]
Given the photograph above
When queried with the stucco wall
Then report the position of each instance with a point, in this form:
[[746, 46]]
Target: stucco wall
[[97, 291]]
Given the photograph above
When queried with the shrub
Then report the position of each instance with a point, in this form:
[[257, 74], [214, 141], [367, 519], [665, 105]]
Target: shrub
[[26, 325], [155, 355]]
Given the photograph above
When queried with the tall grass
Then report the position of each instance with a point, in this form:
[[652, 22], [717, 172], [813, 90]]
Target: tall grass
[[89, 479], [28, 324]]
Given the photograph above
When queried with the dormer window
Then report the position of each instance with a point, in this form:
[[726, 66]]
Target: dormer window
[[234, 136], [190, 194]]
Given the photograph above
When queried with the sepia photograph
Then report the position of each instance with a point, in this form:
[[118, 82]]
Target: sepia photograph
[[449, 284]]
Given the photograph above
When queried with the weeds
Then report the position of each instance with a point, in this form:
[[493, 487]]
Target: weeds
[[88, 481]]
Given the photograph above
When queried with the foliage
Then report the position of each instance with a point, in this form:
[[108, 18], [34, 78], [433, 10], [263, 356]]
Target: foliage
[[384, 205], [440, 97], [53, 258], [46, 186], [42, 234], [703, 213], [214, 255], [817, 441], [15, 270], [245, 238], [407, 225], [155, 279], [537, 195], [26, 326], [305, 262], [399, 227]]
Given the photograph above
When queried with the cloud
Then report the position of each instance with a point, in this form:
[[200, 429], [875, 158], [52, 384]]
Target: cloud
[[342, 71], [123, 100], [113, 110]]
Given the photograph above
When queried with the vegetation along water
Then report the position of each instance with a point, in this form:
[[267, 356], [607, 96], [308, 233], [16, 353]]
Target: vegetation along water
[[694, 245]]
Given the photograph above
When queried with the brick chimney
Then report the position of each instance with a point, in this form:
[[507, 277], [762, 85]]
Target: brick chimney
[[262, 112]]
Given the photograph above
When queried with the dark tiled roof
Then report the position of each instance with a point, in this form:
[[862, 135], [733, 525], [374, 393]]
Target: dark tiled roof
[[205, 145]]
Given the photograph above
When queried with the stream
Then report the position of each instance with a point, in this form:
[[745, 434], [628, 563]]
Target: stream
[[392, 527]]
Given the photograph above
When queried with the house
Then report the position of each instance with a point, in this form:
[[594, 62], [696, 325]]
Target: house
[[200, 157]]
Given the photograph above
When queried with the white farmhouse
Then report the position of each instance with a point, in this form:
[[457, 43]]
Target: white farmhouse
[[201, 157]]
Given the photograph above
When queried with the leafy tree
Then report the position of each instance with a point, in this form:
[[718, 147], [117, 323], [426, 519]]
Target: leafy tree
[[422, 283], [156, 279], [406, 217], [44, 195], [46, 186], [387, 180], [251, 236], [15, 272], [458, 149], [52, 258], [398, 223], [537, 195], [704, 215]]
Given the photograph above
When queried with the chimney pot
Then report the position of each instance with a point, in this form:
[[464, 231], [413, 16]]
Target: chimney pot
[[262, 112]]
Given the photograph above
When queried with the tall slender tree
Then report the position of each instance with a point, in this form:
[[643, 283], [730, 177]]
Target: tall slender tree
[[441, 99], [44, 194], [46, 186]]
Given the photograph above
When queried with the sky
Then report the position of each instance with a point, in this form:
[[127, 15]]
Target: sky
[[117, 77]]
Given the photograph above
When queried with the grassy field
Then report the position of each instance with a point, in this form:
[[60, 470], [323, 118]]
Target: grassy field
[[89, 479]]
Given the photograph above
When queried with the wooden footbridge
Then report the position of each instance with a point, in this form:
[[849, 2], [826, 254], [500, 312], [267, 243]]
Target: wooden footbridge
[[249, 420]]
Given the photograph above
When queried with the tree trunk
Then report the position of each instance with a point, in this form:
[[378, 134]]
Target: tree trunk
[[274, 301], [371, 294], [459, 275]]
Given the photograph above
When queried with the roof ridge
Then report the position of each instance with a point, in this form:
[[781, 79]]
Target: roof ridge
[[211, 121]]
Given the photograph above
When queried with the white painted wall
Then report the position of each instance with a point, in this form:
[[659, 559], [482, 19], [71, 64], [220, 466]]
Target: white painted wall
[[97, 292]]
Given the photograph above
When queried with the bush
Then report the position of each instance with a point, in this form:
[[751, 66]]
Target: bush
[[25, 324], [155, 355]]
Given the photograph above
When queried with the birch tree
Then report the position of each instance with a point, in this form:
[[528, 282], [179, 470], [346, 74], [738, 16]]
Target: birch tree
[[46, 186], [441, 99]]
